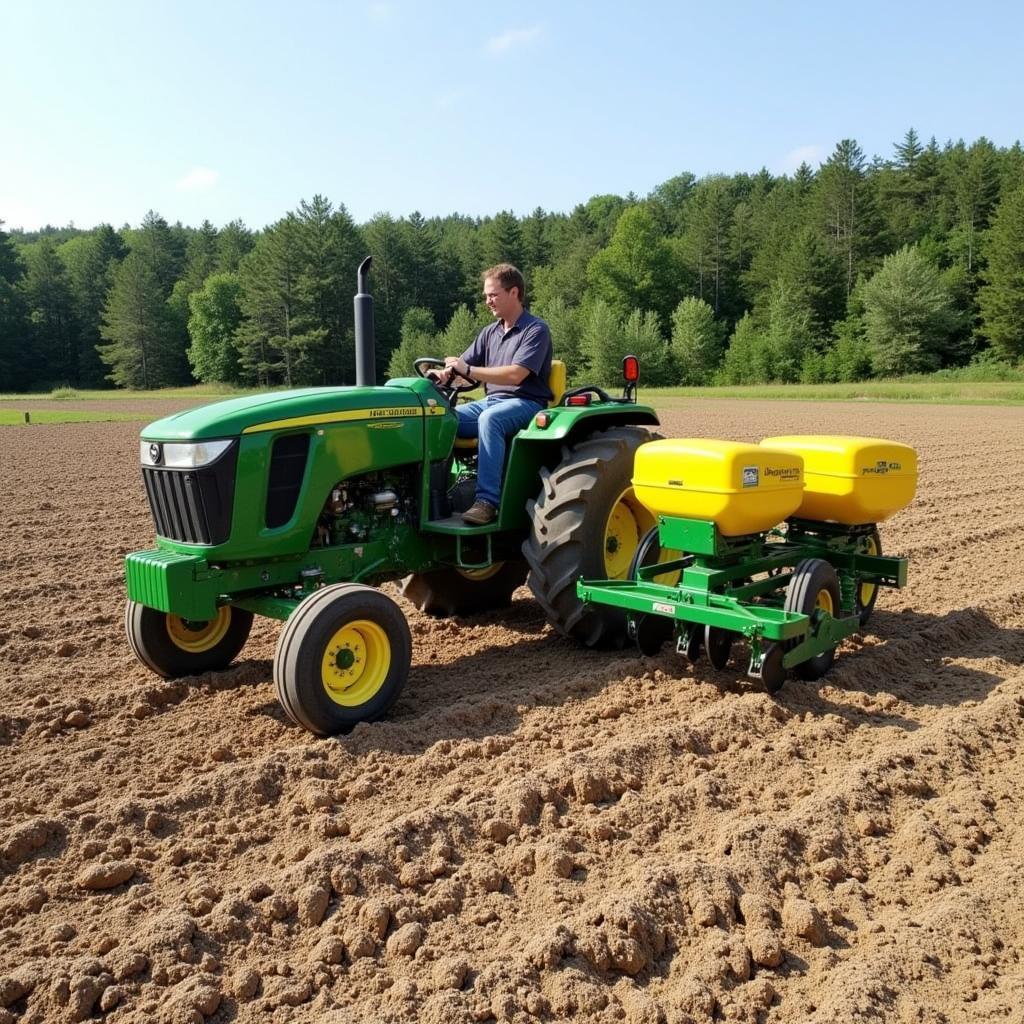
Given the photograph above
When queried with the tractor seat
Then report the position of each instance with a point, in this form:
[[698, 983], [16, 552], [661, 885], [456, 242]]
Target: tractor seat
[[556, 384]]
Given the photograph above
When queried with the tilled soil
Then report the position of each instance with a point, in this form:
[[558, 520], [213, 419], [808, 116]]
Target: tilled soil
[[537, 832]]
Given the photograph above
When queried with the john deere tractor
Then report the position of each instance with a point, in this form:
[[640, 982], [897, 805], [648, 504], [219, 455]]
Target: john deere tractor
[[298, 504]]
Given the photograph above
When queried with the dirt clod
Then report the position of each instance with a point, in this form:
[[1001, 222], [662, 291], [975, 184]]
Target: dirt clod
[[106, 876]]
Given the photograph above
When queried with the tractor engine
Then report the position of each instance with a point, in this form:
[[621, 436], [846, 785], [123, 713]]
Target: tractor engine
[[361, 508]]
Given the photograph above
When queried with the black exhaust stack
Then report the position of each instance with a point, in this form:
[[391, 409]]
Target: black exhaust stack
[[366, 365]]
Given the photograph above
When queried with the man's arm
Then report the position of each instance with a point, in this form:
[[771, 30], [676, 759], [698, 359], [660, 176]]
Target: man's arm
[[512, 374]]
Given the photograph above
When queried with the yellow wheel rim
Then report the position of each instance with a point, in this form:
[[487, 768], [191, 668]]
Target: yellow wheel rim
[[476, 575], [669, 579], [627, 522], [197, 637], [866, 591], [823, 602], [355, 663]]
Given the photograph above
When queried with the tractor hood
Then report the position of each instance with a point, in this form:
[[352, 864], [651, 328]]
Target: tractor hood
[[306, 407]]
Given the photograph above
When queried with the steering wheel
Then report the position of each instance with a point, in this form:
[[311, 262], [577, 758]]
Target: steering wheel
[[426, 363]]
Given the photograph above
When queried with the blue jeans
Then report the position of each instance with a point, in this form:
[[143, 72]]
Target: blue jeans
[[492, 420]]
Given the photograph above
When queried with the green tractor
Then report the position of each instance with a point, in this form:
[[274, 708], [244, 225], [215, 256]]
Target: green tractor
[[298, 504]]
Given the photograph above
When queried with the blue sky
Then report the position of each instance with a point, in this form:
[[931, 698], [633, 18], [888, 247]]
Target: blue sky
[[221, 110]]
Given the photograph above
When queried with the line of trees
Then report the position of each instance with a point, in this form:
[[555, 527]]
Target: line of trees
[[857, 269]]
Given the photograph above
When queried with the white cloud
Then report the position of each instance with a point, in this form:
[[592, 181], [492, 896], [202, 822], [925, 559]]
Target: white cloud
[[199, 179], [811, 155], [513, 38]]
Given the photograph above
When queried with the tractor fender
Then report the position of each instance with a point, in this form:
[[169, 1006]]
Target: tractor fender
[[535, 448]]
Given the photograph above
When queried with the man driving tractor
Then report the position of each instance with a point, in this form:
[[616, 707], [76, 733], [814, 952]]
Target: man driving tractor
[[512, 359]]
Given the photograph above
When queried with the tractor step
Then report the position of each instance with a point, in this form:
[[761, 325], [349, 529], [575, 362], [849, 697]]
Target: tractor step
[[455, 524]]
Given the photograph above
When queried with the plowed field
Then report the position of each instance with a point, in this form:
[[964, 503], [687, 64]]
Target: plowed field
[[537, 832]]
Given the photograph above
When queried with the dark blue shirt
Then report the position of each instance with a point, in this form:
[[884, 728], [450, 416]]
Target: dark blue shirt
[[526, 343]]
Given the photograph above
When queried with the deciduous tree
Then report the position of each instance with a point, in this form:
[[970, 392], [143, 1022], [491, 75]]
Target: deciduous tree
[[908, 316], [417, 339], [213, 322], [696, 342]]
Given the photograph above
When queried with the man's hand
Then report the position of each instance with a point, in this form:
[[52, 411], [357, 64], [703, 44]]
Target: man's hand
[[442, 377], [456, 364]]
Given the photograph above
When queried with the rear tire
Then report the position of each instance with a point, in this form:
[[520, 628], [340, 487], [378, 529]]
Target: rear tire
[[174, 647], [814, 585], [586, 522], [342, 658], [464, 592]]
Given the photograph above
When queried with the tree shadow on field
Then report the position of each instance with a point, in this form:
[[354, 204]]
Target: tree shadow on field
[[919, 658]]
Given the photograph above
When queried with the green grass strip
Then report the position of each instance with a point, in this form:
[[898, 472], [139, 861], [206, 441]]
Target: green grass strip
[[16, 417], [929, 391]]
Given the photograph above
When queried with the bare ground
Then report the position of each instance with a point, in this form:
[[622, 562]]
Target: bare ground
[[537, 832]]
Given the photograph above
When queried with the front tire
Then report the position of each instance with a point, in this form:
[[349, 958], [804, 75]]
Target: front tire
[[587, 522], [342, 658], [446, 592], [174, 647]]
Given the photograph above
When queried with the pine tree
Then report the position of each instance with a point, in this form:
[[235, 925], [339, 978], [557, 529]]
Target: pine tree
[[326, 276], [48, 295], [843, 199], [138, 341], [977, 192], [200, 262], [91, 260], [909, 151], [276, 331], [706, 241], [1002, 297], [14, 326], [162, 249], [433, 283], [813, 277], [234, 240], [392, 270], [536, 243], [502, 241]]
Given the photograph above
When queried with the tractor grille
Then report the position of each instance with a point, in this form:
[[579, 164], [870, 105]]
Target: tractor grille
[[287, 468], [193, 505]]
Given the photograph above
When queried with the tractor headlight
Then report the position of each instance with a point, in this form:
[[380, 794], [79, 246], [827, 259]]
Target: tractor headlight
[[181, 455]]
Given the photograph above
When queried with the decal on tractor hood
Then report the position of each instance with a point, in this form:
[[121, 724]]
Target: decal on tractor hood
[[384, 412]]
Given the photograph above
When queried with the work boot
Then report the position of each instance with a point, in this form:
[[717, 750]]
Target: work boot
[[480, 513]]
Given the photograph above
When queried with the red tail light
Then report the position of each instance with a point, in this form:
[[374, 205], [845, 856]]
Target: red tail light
[[578, 400], [631, 369]]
